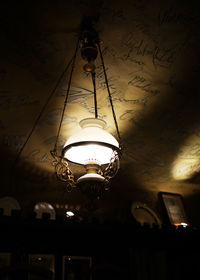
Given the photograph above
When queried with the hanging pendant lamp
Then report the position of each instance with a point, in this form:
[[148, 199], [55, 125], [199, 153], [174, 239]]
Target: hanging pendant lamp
[[92, 146]]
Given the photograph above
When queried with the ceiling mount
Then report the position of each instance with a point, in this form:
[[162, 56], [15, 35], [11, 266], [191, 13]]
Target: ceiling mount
[[88, 40]]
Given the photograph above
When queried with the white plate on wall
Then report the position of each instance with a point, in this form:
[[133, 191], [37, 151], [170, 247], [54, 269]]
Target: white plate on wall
[[8, 204], [44, 207], [143, 214]]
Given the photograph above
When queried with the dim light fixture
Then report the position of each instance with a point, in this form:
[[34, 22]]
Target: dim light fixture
[[181, 224], [92, 146], [69, 214], [184, 224]]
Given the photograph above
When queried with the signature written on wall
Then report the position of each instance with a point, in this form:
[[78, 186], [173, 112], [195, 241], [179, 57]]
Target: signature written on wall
[[129, 115], [7, 102], [36, 156], [143, 84], [162, 57], [52, 117], [124, 57], [80, 95], [172, 15], [140, 101], [15, 141]]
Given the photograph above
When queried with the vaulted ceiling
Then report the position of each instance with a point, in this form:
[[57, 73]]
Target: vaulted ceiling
[[151, 51]]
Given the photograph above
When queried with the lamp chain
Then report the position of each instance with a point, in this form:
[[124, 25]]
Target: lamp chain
[[108, 90]]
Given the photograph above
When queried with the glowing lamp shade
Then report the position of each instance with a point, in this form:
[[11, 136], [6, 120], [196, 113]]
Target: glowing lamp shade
[[91, 144]]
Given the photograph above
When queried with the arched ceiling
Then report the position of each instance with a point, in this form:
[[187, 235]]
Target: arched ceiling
[[151, 52]]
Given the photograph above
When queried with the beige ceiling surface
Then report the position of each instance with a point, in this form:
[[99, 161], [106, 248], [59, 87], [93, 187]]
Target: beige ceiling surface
[[151, 52]]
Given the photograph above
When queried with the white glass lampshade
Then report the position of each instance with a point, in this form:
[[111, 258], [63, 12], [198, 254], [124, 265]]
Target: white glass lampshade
[[91, 144]]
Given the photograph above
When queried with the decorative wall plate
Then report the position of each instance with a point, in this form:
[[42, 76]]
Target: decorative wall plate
[[143, 214], [8, 204], [44, 207]]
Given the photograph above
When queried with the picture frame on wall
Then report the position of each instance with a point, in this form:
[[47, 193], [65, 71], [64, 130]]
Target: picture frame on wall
[[173, 203], [43, 266], [77, 267]]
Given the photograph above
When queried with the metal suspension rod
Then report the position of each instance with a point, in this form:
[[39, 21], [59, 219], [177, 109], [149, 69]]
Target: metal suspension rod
[[108, 90], [67, 94], [95, 96]]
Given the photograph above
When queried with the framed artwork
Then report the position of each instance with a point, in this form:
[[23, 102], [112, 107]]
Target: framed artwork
[[175, 209], [77, 267], [43, 266]]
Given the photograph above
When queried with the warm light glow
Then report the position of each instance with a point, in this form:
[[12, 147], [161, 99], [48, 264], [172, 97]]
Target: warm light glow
[[185, 168], [82, 151], [91, 152], [187, 163]]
